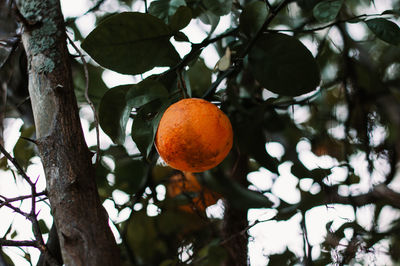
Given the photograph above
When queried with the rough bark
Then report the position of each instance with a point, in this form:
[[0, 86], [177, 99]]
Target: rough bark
[[81, 221], [235, 221]]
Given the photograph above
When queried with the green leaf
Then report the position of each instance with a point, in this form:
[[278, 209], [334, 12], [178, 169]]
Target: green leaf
[[391, 12], [131, 43], [114, 113], [212, 254], [282, 64], [164, 9], [97, 87], [286, 211], [286, 258], [144, 129], [385, 30], [326, 11], [6, 259], [239, 196], [142, 134], [218, 7], [24, 149], [144, 239], [5, 52], [181, 18], [210, 19], [181, 37], [43, 227], [144, 92], [251, 124], [130, 175], [253, 17], [199, 77]]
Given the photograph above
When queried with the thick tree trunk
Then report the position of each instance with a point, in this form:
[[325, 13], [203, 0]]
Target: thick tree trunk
[[81, 221], [235, 221]]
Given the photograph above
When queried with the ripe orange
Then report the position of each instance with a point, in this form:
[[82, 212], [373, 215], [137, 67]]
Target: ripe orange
[[186, 183], [194, 135]]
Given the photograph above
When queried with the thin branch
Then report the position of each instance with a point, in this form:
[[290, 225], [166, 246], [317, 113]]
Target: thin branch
[[16, 164], [181, 83], [15, 209], [95, 115], [18, 243], [270, 17], [9, 200], [198, 47], [334, 23], [268, 5], [244, 231], [307, 245], [380, 193]]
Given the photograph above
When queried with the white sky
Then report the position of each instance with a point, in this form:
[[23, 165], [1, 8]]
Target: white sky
[[268, 237]]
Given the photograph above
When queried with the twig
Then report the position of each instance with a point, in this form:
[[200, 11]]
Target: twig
[[307, 245], [181, 83], [18, 243], [268, 20], [337, 22], [196, 49], [95, 115], [32, 215], [268, 4], [244, 230], [146, 10], [17, 166], [9, 200]]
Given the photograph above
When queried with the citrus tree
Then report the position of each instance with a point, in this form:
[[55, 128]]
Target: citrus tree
[[320, 78]]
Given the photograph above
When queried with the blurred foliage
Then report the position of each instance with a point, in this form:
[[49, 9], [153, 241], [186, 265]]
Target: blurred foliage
[[285, 56]]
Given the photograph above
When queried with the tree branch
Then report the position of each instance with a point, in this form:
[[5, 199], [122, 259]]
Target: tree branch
[[67, 161], [18, 243]]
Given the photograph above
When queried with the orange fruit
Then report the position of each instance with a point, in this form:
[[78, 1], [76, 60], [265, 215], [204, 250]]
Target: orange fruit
[[193, 135], [186, 183]]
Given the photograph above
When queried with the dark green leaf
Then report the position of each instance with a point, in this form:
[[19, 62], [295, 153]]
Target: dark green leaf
[[97, 87], [286, 258], [282, 64], [391, 12], [385, 30], [144, 129], [23, 150], [142, 134], [210, 19], [5, 52], [326, 11], [4, 163], [6, 258], [239, 196], [131, 43], [218, 7], [212, 254], [43, 227], [142, 235], [286, 211], [144, 92], [253, 17], [103, 187], [181, 37], [130, 175], [13, 234], [164, 9], [114, 113], [181, 18], [199, 77]]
